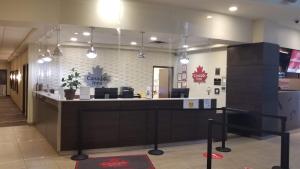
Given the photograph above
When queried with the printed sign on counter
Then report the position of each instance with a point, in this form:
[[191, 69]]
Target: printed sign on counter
[[191, 104], [207, 103]]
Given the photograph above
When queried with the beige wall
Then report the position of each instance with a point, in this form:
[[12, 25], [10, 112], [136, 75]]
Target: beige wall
[[17, 64], [268, 31], [209, 60]]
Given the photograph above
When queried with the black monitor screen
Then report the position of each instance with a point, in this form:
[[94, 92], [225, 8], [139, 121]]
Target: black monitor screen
[[180, 93], [106, 93], [126, 92]]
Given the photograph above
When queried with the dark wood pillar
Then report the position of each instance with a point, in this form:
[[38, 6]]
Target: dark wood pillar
[[252, 83]]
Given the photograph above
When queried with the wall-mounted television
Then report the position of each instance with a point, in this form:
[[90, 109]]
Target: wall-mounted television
[[294, 64], [284, 61]]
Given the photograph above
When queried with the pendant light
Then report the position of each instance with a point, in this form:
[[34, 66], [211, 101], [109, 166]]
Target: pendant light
[[47, 57], [92, 53], [57, 51], [40, 55], [184, 59], [141, 53]]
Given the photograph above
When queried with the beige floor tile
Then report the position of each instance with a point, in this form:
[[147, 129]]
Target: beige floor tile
[[41, 163], [13, 165], [65, 162], [36, 149], [9, 152], [28, 135], [7, 135]]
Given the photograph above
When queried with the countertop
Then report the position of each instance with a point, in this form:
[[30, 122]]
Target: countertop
[[58, 98]]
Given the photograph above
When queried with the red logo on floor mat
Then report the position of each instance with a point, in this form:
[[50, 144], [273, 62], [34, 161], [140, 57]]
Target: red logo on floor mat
[[113, 163], [214, 156]]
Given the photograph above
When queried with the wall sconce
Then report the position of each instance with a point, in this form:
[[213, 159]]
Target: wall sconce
[[19, 76]]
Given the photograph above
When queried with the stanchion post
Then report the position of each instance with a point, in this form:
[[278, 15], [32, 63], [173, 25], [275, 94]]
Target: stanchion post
[[284, 152], [223, 148], [283, 125], [209, 144], [156, 151], [79, 156]]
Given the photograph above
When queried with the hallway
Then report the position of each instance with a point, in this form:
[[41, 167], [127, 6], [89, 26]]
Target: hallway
[[10, 115]]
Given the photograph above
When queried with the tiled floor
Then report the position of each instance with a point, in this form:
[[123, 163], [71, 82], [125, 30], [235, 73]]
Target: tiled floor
[[22, 147]]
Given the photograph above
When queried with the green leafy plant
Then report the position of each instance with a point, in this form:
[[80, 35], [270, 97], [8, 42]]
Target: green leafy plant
[[71, 81]]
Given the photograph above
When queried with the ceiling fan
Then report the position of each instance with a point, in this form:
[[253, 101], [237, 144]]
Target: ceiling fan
[[288, 1]]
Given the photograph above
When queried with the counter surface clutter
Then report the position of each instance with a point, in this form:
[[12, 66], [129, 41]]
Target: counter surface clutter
[[122, 122]]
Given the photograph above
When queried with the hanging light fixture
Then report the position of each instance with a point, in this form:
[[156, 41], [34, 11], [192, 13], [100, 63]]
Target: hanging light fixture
[[57, 51], [141, 53], [47, 57], [184, 59], [40, 55], [92, 53]]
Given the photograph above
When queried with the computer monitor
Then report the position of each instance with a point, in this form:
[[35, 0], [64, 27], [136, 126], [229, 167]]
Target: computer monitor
[[126, 92], [106, 93], [180, 92]]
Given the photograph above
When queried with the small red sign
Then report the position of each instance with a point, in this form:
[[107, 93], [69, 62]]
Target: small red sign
[[114, 163], [214, 156], [248, 168], [200, 75]]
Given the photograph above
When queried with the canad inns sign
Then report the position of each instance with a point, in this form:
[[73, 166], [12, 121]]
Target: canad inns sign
[[199, 75], [97, 78]]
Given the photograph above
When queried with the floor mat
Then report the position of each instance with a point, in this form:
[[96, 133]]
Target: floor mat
[[116, 162]]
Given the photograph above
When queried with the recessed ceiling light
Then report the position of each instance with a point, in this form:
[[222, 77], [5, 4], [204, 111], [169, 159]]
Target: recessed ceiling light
[[153, 38], [76, 33], [233, 8], [73, 39], [185, 46], [209, 17], [86, 33], [133, 43]]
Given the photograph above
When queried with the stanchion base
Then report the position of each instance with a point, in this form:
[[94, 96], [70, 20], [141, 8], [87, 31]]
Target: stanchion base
[[79, 157], [276, 167], [155, 152], [225, 149]]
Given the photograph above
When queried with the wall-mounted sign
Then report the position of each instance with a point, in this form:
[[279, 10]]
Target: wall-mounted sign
[[97, 78], [200, 75], [190, 104]]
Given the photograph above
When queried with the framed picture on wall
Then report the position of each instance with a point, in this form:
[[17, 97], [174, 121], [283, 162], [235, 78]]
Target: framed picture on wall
[[184, 68], [179, 85], [218, 71], [183, 75], [184, 84], [179, 76]]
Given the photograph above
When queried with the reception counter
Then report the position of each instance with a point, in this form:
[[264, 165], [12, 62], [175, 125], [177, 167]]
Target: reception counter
[[119, 122]]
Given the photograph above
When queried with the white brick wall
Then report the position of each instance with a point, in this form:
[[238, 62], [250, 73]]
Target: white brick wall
[[123, 66]]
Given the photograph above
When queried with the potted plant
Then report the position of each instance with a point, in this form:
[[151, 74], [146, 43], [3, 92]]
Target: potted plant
[[71, 83]]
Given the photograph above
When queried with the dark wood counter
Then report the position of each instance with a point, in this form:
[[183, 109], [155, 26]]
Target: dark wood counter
[[118, 123]]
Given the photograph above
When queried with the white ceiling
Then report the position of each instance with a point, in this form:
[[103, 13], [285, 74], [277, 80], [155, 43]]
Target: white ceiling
[[11, 39], [105, 36], [274, 10]]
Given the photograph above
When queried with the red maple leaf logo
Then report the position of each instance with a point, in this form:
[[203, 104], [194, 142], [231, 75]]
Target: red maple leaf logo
[[200, 75], [114, 163]]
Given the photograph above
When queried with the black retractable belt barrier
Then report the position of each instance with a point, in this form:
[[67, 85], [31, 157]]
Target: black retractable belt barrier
[[79, 156], [156, 151], [223, 148], [285, 143]]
